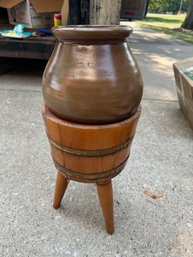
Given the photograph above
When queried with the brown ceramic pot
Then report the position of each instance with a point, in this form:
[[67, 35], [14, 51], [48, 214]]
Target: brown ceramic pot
[[92, 76]]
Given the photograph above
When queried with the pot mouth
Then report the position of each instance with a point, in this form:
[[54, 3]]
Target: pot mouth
[[92, 34]]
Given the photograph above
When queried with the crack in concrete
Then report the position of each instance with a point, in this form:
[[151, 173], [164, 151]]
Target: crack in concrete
[[159, 100]]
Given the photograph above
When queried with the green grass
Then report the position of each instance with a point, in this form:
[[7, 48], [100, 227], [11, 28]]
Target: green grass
[[166, 23]]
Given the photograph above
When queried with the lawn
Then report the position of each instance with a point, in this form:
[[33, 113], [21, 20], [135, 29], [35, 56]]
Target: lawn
[[167, 23]]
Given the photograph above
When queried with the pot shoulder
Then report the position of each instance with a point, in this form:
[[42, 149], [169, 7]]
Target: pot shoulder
[[92, 84]]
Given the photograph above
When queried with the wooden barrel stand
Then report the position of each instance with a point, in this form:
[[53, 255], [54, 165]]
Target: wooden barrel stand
[[89, 154]]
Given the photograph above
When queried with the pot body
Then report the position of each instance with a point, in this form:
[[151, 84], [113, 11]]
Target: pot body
[[92, 81]]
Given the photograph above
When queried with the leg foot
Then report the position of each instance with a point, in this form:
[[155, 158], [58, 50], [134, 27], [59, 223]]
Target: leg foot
[[105, 194], [60, 188]]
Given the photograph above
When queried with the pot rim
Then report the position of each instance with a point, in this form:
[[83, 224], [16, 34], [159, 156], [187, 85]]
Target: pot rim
[[92, 34]]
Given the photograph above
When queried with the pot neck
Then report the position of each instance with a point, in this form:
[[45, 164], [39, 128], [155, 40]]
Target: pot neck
[[95, 35]]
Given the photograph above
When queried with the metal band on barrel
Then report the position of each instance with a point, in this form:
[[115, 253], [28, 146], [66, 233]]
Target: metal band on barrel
[[90, 153], [90, 176]]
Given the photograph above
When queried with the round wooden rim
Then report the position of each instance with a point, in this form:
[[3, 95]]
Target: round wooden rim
[[87, 126]]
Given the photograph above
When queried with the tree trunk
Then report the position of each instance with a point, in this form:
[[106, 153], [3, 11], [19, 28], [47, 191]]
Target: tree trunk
[[105, 12], [188, 22]]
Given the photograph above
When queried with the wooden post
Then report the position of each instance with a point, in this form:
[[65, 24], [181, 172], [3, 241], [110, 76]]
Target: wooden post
[[105, 12], [105, 193], [64, 12], [61, 185]]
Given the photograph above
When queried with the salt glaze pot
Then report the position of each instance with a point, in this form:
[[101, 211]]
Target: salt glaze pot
[[92, 76]]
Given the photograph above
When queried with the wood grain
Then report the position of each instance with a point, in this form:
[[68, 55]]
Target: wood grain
[[60, 188], [105, 194], [89, 149]]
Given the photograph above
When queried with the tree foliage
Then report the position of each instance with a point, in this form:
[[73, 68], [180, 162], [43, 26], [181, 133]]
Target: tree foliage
[[164, 6]]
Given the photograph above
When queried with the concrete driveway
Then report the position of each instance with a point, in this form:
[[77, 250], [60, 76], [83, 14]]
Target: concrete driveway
[[161, 162]]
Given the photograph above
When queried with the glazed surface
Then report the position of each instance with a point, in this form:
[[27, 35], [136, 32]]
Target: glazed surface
[[93, 84]]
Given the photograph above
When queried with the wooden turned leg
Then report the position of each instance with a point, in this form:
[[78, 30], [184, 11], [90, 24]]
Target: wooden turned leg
[[105, 194], [60, 188]]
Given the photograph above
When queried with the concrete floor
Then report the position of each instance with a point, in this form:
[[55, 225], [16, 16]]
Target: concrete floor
[[161, 161]]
